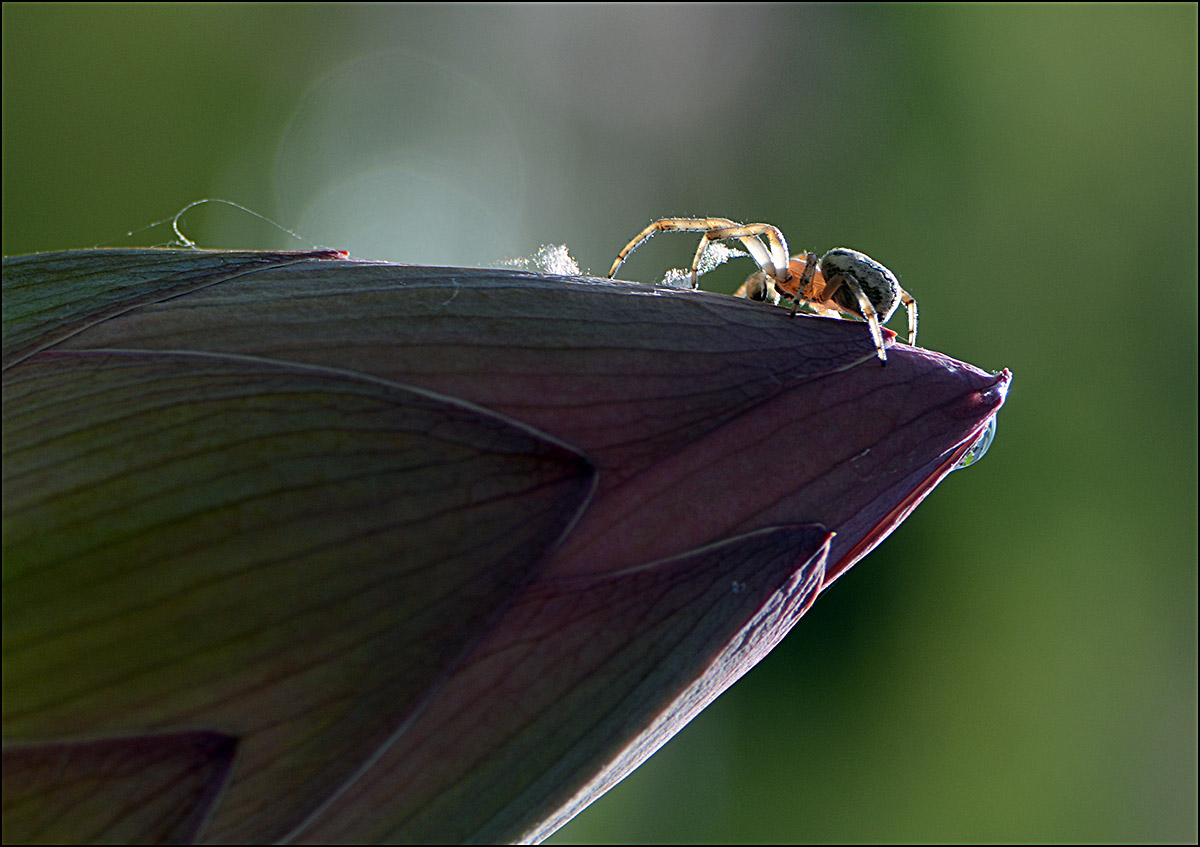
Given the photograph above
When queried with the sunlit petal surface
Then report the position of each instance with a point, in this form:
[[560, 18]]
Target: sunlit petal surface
[[430, 554]]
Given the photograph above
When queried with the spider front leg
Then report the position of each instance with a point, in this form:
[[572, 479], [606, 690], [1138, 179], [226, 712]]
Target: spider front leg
[[867, 308], [669, 225], [773, 260]]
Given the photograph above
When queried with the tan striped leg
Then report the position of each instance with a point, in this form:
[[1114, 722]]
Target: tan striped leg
[[773, 260]]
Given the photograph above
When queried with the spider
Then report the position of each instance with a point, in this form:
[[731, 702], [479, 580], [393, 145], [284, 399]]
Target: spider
[[842, 281]]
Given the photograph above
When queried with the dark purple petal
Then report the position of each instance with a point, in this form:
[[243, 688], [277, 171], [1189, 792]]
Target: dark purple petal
[[289, 556], [481, 540], [143, 790], [580, 671]]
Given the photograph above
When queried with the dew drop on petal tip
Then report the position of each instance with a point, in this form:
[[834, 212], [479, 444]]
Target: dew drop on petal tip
[[981, 445]]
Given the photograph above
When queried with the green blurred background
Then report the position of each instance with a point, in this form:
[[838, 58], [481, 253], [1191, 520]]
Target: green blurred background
[[1018, 661]]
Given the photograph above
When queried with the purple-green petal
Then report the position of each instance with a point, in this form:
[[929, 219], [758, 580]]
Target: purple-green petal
[[442, 553]]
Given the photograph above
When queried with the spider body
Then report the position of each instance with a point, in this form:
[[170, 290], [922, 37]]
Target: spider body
[[843, 281]]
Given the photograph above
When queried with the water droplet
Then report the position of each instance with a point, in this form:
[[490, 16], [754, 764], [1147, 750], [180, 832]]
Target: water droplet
[[981, 445]]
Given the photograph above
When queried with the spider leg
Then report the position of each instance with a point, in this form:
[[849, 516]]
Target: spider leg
[[806, 278], [774, 262], [758, 286], [868, 312], [669, 225], [911, 305], [757, 251]]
